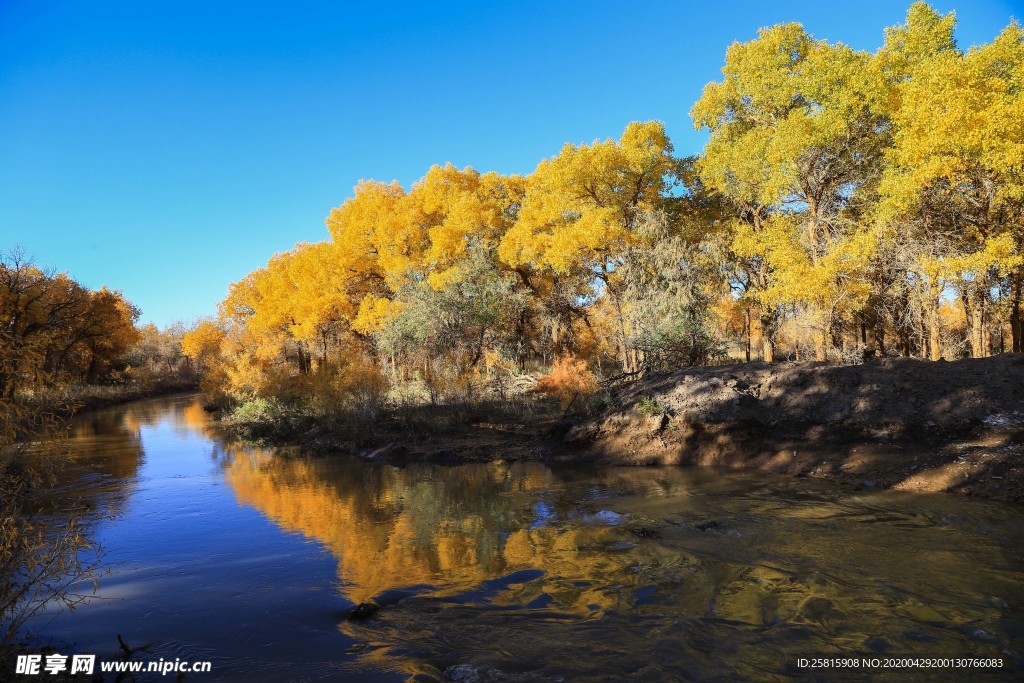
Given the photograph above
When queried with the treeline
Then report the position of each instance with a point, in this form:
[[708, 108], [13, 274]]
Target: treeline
[[847, 205], [55, 330], [56, 333]]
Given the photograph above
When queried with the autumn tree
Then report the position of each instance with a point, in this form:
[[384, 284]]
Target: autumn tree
[[955, 182], [54, 328], [793, 140], [673, 275], [203, 344], [581, 212], [844, 198], [477, 311]]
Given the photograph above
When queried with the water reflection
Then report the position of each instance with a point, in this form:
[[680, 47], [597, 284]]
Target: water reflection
[[520, 571], [108, 443], [106, 451], [661, 573], [447, 528]]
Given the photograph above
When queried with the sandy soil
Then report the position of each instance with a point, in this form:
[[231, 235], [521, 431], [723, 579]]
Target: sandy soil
[[894, 423]]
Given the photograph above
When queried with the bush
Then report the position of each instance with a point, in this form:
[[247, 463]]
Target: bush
[[358, 388], [569, 380], [259, 418], [678, 343], [649, 407]]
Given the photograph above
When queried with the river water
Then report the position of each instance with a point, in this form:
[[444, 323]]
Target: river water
[[497, 571]]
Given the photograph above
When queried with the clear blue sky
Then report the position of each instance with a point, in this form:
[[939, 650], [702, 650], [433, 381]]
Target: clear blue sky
[[169, 148]]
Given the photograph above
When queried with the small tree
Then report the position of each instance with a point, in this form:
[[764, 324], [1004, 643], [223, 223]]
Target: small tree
[[669, 288]]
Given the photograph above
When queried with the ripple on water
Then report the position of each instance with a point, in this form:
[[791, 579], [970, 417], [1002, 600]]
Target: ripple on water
[[519, 571]]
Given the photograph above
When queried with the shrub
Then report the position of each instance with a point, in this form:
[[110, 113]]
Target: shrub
[[649, 407], [357, 388], [569, 380], [267, 419], [48, 559]]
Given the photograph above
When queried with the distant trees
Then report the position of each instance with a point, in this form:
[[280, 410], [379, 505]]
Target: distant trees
[[847, 204], [159, 357], [52, 328]]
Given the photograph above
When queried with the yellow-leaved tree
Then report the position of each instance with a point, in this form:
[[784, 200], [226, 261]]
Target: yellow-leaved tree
[[794, 141], [953, 187], [581, 212]]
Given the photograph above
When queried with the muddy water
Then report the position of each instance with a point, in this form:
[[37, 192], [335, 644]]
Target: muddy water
[[521, 572]]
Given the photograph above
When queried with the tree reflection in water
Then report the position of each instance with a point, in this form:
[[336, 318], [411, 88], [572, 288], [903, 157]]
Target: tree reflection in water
[[580, 573], [652, 572]]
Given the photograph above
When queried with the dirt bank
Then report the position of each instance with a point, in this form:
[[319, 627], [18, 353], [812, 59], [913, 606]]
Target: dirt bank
[[893, 423]]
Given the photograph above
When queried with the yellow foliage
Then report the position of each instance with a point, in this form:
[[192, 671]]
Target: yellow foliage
[[461, 209], [203, 343], [356, 385], [52, 328], [374, 313], [375, 245], [836, 186], [581, 206]]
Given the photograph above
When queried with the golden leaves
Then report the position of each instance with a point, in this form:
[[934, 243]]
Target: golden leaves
[[581, 206], [822, 163], [52, 328]]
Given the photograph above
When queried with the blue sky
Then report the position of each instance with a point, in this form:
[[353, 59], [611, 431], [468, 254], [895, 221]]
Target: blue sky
[[169, 148]]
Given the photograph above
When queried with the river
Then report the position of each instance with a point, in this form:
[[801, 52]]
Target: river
[[498, 571]]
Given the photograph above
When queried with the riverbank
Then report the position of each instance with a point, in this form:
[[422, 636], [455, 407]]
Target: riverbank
[[902, 424], [77, 399]]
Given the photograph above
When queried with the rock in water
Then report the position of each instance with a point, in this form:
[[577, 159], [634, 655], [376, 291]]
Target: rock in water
[[364, 611]]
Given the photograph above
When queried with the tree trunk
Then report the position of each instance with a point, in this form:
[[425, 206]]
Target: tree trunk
[[92, 373], [303, 359], [1016, 327], [986, 339], [975, 297], [628, 357], [933, 323], [769, 319], [868, 339], [922, 331], [905, 345], [748, 323], [820, 354], [825, 338]]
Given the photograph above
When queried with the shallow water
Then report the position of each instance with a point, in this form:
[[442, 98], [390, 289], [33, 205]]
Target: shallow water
[[520, 571]]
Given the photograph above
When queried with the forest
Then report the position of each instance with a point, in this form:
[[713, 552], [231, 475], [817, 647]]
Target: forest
[[64, 348], [847, 205], [62, 341]]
